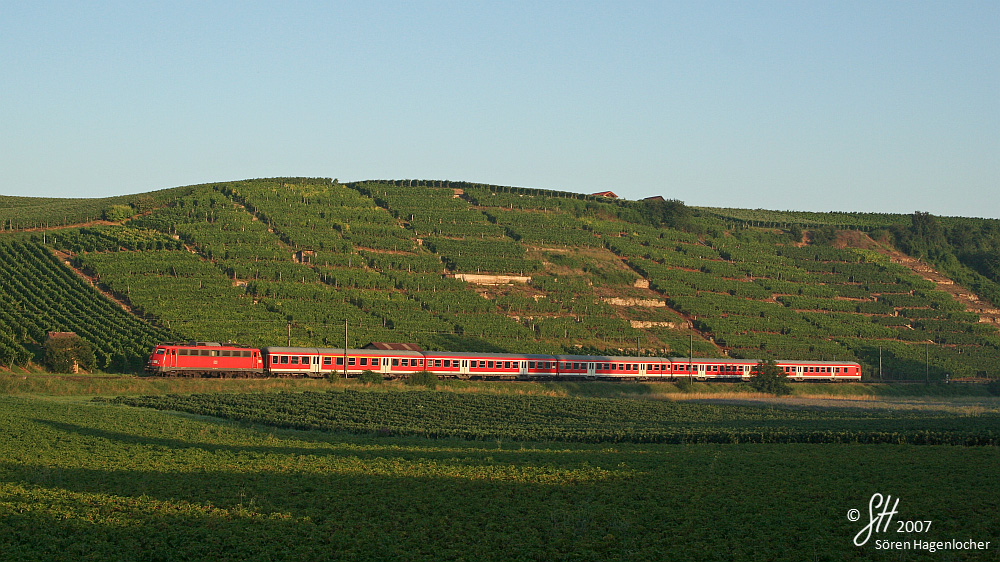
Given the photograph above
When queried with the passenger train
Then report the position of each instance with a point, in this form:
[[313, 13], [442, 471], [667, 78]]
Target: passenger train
[[210, 359]]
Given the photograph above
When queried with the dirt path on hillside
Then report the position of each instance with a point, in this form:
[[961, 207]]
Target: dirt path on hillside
[[66, 258], [986, 312]]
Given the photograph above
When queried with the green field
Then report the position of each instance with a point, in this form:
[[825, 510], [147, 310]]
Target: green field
[[104, 481]]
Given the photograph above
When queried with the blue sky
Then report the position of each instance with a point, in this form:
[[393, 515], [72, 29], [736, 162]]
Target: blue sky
[[854, 106]]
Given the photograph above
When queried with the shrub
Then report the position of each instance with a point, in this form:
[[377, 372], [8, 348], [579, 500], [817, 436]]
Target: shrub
[[370, 377], [769, 378], [423, 378], [62, 352], [118, 213], [684, 384], [993, 387]]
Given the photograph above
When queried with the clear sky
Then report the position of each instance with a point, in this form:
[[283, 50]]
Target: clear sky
[[855, 106]]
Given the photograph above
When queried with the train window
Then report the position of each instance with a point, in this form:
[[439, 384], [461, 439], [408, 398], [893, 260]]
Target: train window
[[328, 360], [506, 364], [160, 351], [836, 369], [350, 361], [420, 362], [395, 362], [531, 364], [284, 359], [489, 364], [224, 353], [295, 360], [182, 352], [447, 363], [406, 362], [274, 359], [363, 361]]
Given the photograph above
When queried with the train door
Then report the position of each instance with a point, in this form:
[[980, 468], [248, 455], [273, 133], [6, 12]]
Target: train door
[[314, 364], [642, 369], [591, 370], [385, 365], [464, 369], [524, 368], [701, 372], [798, 372], [171, 358]]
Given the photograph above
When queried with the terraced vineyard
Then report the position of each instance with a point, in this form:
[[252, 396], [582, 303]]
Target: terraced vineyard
[[260, 262], [40, 295]]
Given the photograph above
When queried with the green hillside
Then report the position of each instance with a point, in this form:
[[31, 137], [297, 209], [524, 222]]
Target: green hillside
[[264, 262]]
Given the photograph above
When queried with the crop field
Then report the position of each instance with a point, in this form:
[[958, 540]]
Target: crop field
[[111, 482], [588, 420]]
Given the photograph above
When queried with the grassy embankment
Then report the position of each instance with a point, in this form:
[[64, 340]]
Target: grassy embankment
[[110, 385]]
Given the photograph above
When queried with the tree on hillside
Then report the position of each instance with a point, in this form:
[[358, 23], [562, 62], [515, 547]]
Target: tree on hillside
[[671, 213], [824, 235], [63, 351], [795, 231], [770, 378]]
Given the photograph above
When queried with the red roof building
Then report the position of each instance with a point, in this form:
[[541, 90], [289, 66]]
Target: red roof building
[[608, 194]]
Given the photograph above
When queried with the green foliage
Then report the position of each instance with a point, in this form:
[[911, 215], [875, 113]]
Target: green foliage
[[118, 213], [370, 377], [668, 213], [823, 235], [423, 378], [593, 420], [19, 213], [241, 260], [63, 352], [41, 295], [770, 378], [112, 483]]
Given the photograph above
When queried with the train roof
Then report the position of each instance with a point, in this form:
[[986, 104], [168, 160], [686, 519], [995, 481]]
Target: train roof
[[755, 361], [340, 351], [203, 344], [615, 358], [472, 355]]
